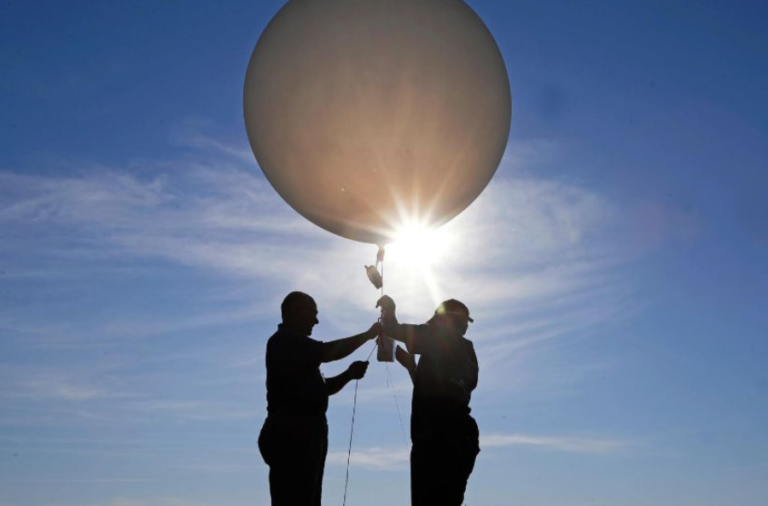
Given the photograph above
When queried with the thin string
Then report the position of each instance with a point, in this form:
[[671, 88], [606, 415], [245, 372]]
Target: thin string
[[375, 345], [354, 402], [352, 428], [389, 376], [397, 404], [351, 433], [381, 256]]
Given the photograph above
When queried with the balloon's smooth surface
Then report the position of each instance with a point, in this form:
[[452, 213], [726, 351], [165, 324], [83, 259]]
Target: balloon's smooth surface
[[368, 114]]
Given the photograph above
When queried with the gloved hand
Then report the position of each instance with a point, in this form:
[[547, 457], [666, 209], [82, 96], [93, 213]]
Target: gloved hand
[[357, 370]]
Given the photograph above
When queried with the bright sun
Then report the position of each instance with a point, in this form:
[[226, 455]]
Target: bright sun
[[419, 246]]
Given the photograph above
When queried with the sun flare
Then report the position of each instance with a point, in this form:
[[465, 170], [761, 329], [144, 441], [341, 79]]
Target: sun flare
[[419, 246]]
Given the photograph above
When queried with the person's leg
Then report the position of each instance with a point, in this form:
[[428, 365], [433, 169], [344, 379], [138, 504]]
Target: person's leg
[[461, 461], [430, 470], [440, 470], [469, 448], [271, 448], [292, 457], [419, 467], [321, 455]]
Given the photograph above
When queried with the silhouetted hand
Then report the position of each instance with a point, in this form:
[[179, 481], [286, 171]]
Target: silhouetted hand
[[385, 302], [387, 305], [374, 331], [357, 370]]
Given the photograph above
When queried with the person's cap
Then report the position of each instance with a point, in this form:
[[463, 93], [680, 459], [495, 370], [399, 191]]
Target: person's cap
[[452, 306]]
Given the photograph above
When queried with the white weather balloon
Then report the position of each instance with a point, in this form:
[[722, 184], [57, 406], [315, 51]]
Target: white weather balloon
[[368, 114]]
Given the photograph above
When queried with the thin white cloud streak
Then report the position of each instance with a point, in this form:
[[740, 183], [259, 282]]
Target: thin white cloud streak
[[193, 410], [396, 459], [75, 480], [593, 446], [151, 501], [203, 142], [184, 450], [376, 459], [53, 388], [190, 133], [114, 393], [58, 409], [74, 334], [57, 383]]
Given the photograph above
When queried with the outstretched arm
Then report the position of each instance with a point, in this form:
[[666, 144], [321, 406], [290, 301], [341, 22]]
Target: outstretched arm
[[415, 337], [342, 348], [403, 332], [355, 371]]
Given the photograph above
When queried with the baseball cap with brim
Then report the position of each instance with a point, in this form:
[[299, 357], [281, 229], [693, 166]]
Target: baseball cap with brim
[[452, 306]]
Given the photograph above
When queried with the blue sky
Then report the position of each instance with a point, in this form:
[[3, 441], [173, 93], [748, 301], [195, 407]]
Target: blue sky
[[617, 265]]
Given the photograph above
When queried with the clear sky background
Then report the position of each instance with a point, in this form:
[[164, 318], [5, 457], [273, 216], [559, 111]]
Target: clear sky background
[[616, 267]]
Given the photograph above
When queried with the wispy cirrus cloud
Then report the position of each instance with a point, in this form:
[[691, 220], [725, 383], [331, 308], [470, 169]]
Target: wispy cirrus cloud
[[377, 459], [214, 213], [38, 481], [529, 257], [59, 383], [584, 445], [524, 243], [60, 389], [150, 501], [395, 459]]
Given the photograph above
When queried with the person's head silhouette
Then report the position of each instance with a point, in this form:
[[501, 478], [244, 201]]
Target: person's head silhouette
[[299, 312], [452, 315]]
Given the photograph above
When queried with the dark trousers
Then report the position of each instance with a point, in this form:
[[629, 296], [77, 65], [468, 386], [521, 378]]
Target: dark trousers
[[440, 469], [294, 447]]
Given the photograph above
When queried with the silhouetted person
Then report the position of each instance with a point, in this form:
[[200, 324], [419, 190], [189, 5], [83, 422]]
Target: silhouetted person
[[445, 437], [294, 439]]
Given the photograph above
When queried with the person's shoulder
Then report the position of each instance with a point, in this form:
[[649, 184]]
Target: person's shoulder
[[290, 337], [275, 337], [274, 344], [311, 341], [281, 339], [468, 345]]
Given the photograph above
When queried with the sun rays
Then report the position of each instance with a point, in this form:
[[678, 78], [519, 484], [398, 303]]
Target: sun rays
[[418, 249]]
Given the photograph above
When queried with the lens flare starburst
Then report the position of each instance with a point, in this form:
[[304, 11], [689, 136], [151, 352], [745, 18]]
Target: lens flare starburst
[[419, 250]]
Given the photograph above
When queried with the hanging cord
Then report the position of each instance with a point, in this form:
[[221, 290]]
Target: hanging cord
[[391, 386], [351, 433], [352, 427], [375, 345], [379, 261]]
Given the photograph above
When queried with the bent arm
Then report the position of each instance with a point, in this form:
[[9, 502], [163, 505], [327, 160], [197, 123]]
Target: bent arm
[[336, 383], [402, 332], [406, 360], [415, 337], [472, 370], [408, 334], [393, 329]]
